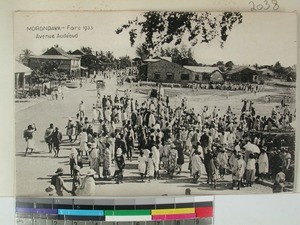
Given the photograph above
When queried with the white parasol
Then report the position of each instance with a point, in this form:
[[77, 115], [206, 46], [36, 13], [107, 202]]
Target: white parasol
[[252, 148]]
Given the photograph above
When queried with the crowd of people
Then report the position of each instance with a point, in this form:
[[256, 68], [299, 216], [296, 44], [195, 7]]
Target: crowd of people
[[213, 143], [253, 88]]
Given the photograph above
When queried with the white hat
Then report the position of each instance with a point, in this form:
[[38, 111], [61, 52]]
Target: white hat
[[50, 188], [70, 118], [153, 148], [119, 151]]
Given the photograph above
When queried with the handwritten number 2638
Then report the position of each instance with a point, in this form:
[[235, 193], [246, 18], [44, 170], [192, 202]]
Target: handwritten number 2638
[[264, 6]]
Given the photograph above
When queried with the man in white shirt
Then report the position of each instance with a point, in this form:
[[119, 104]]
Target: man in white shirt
[[81, 109]]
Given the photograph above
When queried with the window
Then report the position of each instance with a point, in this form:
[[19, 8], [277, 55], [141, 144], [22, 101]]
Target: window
[[157, 76], [197, 77], [185, 76], [170, 76]]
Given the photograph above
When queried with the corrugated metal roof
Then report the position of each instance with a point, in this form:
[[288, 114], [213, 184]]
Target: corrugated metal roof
[[166, 58], [238, 69], [20, 68], [59, 51], [52, 57], [158, 58], [152, 60], [202, 69]]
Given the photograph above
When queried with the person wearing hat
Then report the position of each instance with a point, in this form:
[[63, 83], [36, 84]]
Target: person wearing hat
[[28, 136], [94, 159], [81, 109], [279, 181], [57, 139], [88, 186], [184, 136], [129, 145], [207, 161], [238, 171], [106, 161], [76, 181], [172, 160], [286, 159], [120, 143], [263, 163], [70, 128], [250, 170], [58, 182], [73, 160], [150, 167], [48, 137], [156, 159], [78, 127], [95, 114], [142, 160], [180, 153], [196, 166], [83, 139], [213, 170], [120, 165], [223, 160]]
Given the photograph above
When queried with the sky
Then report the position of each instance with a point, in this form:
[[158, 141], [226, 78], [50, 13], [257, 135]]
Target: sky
[[262, 38]]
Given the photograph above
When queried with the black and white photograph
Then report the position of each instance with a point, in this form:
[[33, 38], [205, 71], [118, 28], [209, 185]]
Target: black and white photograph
[[154, 103]]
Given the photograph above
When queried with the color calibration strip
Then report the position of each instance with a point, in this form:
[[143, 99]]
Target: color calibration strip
[[162, 209], [124, 215]]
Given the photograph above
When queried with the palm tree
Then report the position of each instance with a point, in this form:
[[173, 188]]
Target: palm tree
[[24, 56], [142, 52], [87, 50]]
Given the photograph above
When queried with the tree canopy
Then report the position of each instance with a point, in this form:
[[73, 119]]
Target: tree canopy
[[86, 50], [160, 28], [142, 52], [24, 56], [124, 61], [181, 55]]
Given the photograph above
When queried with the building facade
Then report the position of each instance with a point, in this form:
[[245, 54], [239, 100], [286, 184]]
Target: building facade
[[65, 63], [22, 76], [243, 74], [164, 71]]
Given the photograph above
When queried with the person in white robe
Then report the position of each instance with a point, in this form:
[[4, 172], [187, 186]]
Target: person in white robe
[[263, 163], [142, 160], [156, 159], [88, 186]]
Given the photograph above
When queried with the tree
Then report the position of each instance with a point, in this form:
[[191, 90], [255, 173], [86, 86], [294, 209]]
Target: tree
[[87, 50], [171, 27], [229, 65], [142, 52], [45, 71], [124, 61], [90, 61], [49, 67], [280, 70], [24, 56], [107, 59], [182, 55], [221, 66], [220, 63]]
